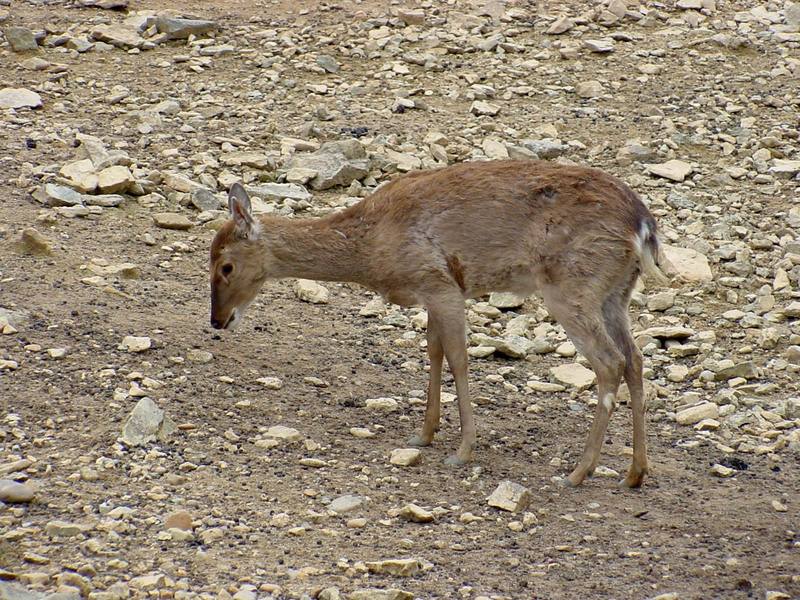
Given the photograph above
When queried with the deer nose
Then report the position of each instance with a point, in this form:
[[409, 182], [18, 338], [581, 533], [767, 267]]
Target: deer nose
[[216, 323]]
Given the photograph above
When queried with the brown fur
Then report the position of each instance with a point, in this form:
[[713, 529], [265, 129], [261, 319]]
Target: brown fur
[[575, 235]]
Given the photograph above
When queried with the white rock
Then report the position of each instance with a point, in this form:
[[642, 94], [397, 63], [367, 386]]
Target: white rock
[[382, 404], [510, 496], [147, 422], [19, 98], [282, 433], [12, 492], [506, 300], [698, 412], [479, 108], [674, 170], [685, 263], [346, 504], [405, 457], [574, 374], [310, 291], [132, 343], [589, 89]]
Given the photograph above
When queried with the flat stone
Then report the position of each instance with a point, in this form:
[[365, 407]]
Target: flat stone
[[112, 180], [785, 168], [380, 594], [20, 39], [589, 89], [695, 414], [328, 63], [174, 28], [33, 242], [62, 529], [718, 470], [279, 191], [669, 332], [561, 25], [746, 370], [601, 46], [132, 343], [117, 35], [284, 434], [510, 496], [10, 590], [104, 200], [170, 220], [256, 160], [481, 108], [685, 263], [179, 520], [346, 504], [674, 170], [14, 492], [52, 194], [415, 514], [792, 310], [399, 567], [506, 300], [335, 164], [19, 98], [381, 404], [513, 346], [574, 374], [180, 183], [403, 161], [311, 291], [405, 457], [199, 356], [81, 175]]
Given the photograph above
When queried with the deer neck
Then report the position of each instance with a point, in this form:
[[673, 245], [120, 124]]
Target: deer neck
[[310, 249]]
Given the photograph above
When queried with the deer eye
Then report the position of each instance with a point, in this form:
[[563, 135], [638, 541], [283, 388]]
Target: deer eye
[[227, 269]]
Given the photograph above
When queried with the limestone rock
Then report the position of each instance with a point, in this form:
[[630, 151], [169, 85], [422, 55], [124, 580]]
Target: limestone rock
[[674, 170], [335, 163], [311, 291], [13, 492], [146, 423], [174, 28], [20, 39], [169, 220], [346, 504], [506, 300], [405, 457], [415, 514], [574, 374], [117, 35], [510, 496], [589, 89], [278, 191], [481, 108], [52, 194], [81, 175], [112, 180], [284, 434], [132, 343], [380, 594], [698, 412], [685, 263], [33, 242], [399, 567]]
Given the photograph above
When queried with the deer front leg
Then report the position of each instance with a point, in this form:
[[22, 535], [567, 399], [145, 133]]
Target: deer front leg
[[433, 408]]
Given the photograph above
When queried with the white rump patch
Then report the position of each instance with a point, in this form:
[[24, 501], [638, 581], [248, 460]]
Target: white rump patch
[[608, 402]]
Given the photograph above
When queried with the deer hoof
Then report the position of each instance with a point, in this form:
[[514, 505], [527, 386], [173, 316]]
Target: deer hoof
[[455, 461], [417, 441]]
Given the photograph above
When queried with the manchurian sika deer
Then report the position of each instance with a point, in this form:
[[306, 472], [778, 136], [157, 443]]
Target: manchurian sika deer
[[576, 236]]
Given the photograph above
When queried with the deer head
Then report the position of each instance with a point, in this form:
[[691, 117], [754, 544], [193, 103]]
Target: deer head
[[236, 265]]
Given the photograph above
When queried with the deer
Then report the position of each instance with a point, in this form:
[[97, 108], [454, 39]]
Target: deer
[[576, 236]]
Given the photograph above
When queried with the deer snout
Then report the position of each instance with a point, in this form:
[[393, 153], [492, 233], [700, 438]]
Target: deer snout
[[216, 323]]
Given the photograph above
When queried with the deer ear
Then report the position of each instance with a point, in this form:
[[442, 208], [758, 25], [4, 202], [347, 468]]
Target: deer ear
[[239, 205]]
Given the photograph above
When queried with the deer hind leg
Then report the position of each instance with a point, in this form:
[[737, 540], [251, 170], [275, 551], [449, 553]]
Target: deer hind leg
[[433, 408], [583, 322], [446, 313], [615, 312]]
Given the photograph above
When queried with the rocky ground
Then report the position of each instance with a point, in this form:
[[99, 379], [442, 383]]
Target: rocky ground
[[144, 454]]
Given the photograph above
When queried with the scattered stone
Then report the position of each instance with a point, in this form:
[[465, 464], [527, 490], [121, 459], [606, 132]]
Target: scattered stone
[[602, 46], [510, 496], [718, 470], [380, 594], [335, 163], [405, 457], [574, 374], [114, 179], [283, 434], [279, 191], [561, 25], [20, 39], [685, 263], [480, 108], [63, 529], [179, 520], [117, 35], [168, 220], [174, 28], [589, 89], [346, 504], [52, 194], [328, 63], [695, 414], [311, 291], [33, 242], [132, 343], [13, 492], [81, 175], [382, 404], [399, 567], [674, 170], [146, 423], [506, 300], [415, 514]]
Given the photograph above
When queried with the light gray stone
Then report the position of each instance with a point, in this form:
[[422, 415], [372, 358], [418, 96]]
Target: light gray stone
[[174, 28], [146, 423], [19, 98], [510, 496], [311, 291], [346, 504], [20, 39], [170, 220], [695, 414], [52, 194], [14, 492], [685, 263], [674, 170], [574, 374], [278, 191]]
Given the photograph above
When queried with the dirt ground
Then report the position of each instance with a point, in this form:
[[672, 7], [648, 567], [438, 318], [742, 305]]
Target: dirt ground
[[261, 524]]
